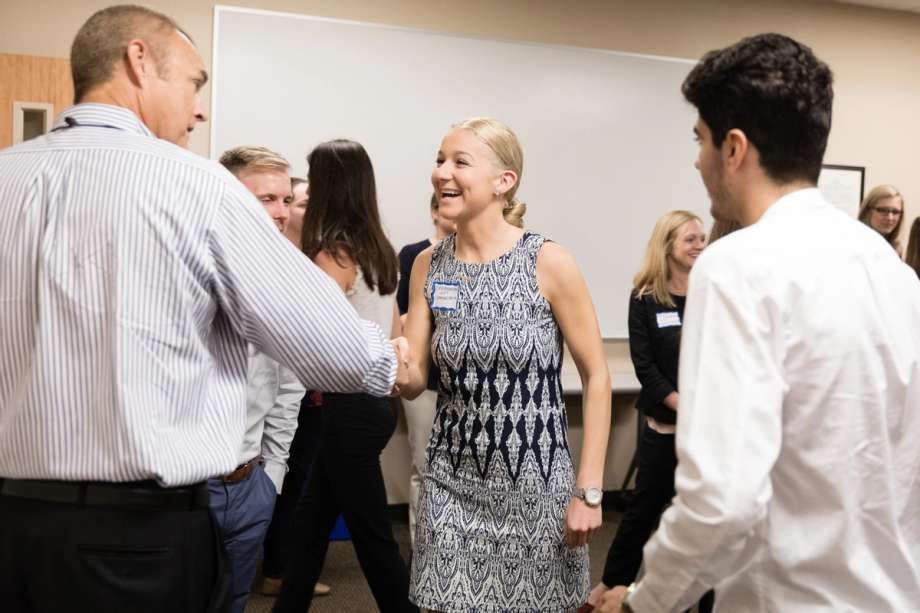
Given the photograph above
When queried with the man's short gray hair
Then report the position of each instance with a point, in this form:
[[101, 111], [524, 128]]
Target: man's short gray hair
[[101, 42]]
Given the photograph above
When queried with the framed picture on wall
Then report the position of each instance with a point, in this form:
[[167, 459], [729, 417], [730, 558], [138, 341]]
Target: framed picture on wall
[[843, 186]]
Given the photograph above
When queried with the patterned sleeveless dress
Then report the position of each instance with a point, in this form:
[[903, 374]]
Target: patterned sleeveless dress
[[499, 477]]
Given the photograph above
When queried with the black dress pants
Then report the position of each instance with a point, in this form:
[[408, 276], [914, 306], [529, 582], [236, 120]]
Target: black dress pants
[[65, 557], [303, 451], [654, 491], [346, 478]]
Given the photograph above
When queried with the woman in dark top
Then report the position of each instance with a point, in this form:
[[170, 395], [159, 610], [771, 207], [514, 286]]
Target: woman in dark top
[[656, 311]]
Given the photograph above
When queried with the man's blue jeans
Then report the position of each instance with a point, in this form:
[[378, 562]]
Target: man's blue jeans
[[243, 511]]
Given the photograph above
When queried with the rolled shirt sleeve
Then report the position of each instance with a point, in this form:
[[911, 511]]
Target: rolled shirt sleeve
[[283, 304], [281, 425]]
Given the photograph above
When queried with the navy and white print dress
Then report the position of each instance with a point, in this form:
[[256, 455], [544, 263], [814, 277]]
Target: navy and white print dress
[[499, 476]]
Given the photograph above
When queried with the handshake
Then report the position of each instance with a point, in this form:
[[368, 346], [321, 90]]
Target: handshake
[[403, 354]]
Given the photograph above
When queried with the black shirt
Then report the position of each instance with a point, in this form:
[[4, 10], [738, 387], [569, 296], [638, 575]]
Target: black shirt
[[654, 344], [407, 257]]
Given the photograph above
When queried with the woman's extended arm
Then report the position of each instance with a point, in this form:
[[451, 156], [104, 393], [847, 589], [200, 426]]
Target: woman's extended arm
[[418, 328], [562, 284]]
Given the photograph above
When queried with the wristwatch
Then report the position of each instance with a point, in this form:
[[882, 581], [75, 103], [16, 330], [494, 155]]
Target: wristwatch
[[591, 495], [624, 604]]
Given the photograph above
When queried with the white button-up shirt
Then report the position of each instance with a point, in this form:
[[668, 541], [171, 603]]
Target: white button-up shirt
[[798, 434], [273, 398], [134, 276]]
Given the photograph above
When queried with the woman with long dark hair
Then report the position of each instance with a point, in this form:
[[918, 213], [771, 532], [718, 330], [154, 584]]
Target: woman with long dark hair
[[343, 235]]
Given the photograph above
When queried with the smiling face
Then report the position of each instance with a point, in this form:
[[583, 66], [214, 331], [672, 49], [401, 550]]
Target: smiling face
[[465, 177], [273, 190], [687, 246], [886, 214], [172, 101]]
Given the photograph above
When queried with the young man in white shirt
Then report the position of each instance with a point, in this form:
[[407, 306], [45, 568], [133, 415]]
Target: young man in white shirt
[[243, 501], [797, 432]]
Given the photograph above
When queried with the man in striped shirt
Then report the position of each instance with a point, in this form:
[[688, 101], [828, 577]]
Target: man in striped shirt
[[134, 276]]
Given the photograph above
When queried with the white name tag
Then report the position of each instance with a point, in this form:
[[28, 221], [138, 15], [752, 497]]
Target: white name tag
[[667, 320], [445, 296]]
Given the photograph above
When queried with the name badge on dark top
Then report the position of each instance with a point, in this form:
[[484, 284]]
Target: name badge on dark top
[[445, 296], [668, 319]]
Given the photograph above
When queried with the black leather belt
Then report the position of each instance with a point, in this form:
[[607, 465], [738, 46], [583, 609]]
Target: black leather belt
[[134, 494]]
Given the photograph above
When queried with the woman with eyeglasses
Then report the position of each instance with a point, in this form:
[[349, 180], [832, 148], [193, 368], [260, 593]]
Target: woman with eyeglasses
[[882, 211]]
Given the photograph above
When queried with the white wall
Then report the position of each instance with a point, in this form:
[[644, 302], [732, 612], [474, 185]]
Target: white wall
[[875, 55]]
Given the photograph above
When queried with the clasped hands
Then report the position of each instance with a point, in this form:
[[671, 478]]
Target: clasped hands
[[607, 600]]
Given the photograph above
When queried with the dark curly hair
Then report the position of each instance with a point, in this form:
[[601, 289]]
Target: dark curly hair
[[777, 92]]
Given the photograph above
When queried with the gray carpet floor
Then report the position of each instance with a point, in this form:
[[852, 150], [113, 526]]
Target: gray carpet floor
[[350, 593]]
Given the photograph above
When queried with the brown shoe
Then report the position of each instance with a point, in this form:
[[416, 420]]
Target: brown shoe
[[270, 586], [321, 589]]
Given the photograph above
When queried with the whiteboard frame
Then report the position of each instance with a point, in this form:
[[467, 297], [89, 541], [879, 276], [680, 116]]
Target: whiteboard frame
[[845, 177]]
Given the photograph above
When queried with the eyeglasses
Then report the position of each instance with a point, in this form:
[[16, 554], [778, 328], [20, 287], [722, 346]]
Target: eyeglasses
[[882, 210]]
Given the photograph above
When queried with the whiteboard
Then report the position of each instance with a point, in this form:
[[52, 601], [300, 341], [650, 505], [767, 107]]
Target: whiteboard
[[607, 137], [842, 186]]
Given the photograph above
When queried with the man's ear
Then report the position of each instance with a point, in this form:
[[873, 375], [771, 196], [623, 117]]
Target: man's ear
[[735, 149], [139, 62]]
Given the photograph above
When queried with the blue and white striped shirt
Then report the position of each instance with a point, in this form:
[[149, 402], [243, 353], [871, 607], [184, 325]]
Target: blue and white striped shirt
[[133, 276]]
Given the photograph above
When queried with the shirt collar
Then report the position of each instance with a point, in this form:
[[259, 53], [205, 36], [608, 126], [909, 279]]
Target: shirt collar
[[792, 203], [94, 114]]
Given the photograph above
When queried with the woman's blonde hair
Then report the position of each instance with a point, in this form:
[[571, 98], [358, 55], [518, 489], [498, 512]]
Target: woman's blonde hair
[[508, 156], [652, 278], [876, 195]]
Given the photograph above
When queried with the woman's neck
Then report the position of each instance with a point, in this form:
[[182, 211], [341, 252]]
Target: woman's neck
[[485, 237], [439, 235], [677, 282]]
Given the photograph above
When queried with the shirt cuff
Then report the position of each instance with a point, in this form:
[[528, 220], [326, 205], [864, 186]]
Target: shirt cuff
[[275, 472], [381, 377]]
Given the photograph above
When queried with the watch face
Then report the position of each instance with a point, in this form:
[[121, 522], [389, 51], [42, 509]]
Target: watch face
[[593, 496]]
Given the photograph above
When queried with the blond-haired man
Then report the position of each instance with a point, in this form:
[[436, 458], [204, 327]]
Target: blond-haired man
[[243, 500]]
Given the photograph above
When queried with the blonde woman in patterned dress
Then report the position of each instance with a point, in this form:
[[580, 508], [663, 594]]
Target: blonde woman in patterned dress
[[503, 521]]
